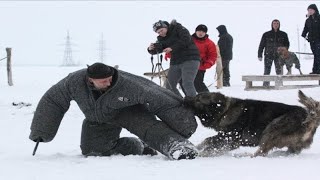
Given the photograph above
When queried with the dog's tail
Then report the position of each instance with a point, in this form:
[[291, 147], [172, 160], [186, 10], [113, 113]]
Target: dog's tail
[[308, 101], [312, 105]]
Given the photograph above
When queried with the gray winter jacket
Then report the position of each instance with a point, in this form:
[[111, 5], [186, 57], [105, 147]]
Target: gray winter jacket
[[127, 90]]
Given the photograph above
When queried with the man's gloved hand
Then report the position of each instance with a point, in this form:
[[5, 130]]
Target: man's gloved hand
[[37, 139], [188, 101], [167, 56], [260, 58]]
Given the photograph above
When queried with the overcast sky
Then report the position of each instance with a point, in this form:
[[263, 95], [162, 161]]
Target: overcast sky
[[36, 30]]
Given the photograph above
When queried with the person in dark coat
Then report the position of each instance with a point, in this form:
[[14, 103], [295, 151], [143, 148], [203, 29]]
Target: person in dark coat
[[270, 41], [175, 39], [312, 29], [112, 99], [225, 44]]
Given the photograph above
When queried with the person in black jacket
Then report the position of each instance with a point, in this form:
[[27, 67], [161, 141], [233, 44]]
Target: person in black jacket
[[185, 58], [225, 44], [270, 42], [312, 28]]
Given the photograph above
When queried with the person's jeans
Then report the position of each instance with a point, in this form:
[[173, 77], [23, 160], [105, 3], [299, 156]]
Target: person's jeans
[[186, 71], [267, 68]]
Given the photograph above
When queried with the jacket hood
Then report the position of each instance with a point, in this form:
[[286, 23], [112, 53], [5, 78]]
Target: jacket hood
[[222, 30], [173, 24], [314, 7], [272, 23]]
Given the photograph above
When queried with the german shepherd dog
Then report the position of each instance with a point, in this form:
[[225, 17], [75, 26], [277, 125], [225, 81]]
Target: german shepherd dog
[[253, 123]]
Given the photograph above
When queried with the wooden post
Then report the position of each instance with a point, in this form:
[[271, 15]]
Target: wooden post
[[248, 84], [278, 82], [9, 66]]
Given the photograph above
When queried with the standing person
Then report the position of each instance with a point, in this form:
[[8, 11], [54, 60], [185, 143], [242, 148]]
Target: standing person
[[208, 55], [270, 41], [219, 71], [225, 44], [312, 28], [175, 39], [111, 100]]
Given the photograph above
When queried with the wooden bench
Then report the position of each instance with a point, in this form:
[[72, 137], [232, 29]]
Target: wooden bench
[[279, 79]]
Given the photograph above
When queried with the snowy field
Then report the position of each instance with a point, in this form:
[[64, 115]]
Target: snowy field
[[34, 31], [61, 158]]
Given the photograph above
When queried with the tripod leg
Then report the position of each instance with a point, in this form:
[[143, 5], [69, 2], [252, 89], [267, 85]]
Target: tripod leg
[[159, 73], [164, 76]]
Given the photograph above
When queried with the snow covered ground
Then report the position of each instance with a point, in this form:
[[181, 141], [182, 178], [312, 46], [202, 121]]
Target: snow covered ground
[[61, 158], [34, 73]]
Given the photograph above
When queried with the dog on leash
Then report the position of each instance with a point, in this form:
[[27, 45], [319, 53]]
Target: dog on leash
[[253, 123], [288, 58]]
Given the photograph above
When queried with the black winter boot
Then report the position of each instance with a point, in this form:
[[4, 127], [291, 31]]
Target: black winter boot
[[183, 150], [266, 84], [226, 83]]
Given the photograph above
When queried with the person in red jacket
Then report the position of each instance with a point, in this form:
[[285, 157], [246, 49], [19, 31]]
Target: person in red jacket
[[208, 55]]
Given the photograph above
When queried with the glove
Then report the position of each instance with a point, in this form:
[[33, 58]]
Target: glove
[[36, 139], [260, 58], [206, 65], [188, 101], [167, 56]]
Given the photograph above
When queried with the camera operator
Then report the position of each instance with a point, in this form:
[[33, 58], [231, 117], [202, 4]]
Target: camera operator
[[185, 58]]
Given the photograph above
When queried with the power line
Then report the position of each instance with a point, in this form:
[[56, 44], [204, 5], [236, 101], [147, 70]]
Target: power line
[[102, 49], [67, 58]]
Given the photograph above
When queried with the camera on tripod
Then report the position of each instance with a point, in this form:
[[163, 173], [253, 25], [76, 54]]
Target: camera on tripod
[[158, 47]]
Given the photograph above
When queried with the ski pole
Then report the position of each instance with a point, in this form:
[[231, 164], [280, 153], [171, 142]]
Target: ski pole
[[36, 147]]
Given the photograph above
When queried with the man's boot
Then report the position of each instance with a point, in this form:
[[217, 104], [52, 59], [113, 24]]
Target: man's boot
[[226, 83], [266, 84], [183, 150]]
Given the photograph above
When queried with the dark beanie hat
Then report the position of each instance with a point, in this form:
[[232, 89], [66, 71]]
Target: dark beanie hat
[[99, 71], [202, 27], [159, 24]]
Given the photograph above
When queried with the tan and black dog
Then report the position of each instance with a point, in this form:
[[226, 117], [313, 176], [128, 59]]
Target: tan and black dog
[[245, 122]]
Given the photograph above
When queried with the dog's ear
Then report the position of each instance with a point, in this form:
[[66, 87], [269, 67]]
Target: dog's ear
[[217, 97]]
